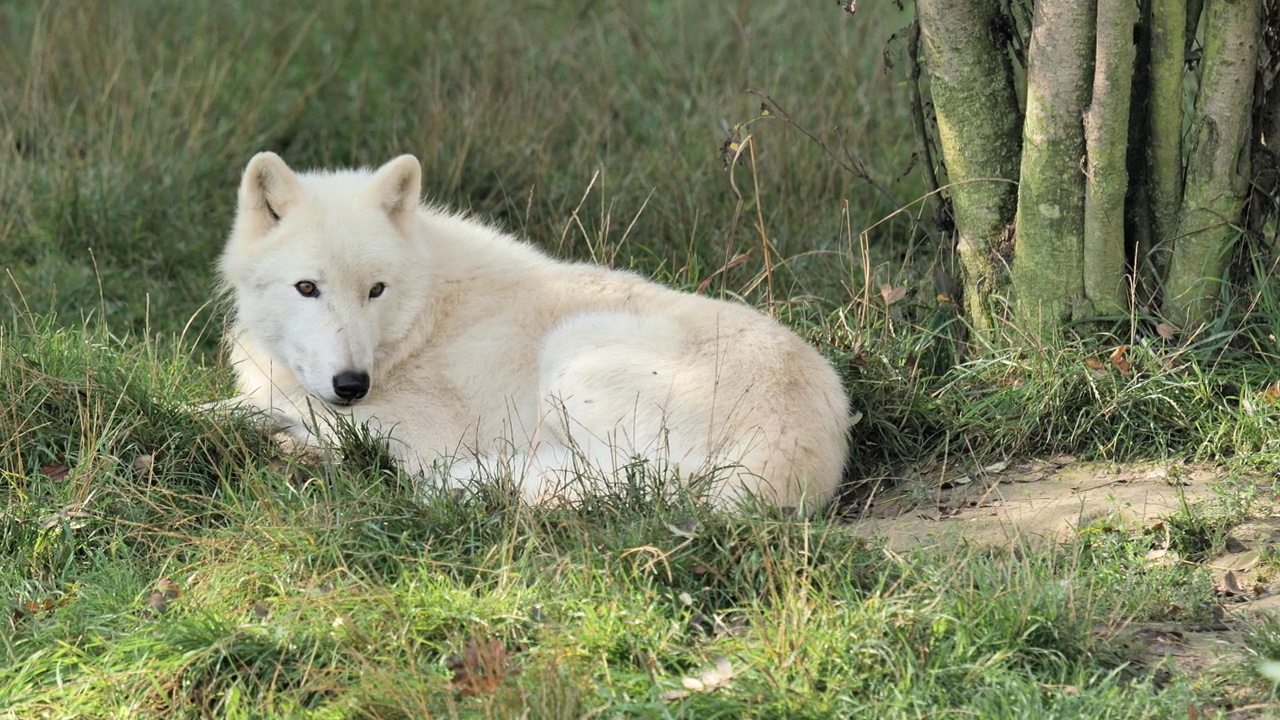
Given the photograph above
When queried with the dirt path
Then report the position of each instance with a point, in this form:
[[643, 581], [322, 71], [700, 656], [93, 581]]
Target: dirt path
[[1040, 500]]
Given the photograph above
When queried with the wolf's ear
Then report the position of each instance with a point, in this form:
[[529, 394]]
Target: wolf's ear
[[396, 187], [267, 190]]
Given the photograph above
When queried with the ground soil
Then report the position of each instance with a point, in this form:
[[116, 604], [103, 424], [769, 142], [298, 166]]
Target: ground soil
[[1046, 501], [1033, 501]]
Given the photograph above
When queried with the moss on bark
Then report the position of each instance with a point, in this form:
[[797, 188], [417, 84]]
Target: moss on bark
[[1218, 163], [976, 104], [1048, 273], [1106, 127], [1168, 42]]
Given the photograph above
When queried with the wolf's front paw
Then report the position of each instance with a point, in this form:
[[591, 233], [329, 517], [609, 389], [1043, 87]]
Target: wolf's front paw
[[298, 443]]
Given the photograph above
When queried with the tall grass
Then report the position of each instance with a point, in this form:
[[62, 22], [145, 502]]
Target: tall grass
[[123, 127]]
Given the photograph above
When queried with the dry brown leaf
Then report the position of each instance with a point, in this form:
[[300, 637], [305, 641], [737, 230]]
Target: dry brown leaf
[[169, 589], [35, 607], [1096, 366], [157, 605], [55, 471], [1231, 586], [1272, 393], [158, 602], [481, 667], [32, 608], [892, 294], [1117, 359], [72, 518]]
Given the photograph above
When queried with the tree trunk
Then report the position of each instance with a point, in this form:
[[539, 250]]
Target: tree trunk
[[1106, 128], [1106, 185], [1048, 272], [976, 105], [1218, 166], [1168, 22]]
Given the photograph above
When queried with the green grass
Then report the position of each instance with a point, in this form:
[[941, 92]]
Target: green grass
[[331, 593], [124, 126], [159, 562]]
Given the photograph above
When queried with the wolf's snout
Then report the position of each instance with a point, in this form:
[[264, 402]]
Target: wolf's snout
[[351, 386]]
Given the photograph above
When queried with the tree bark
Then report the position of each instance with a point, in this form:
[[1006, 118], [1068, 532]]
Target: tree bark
[[1168, 22], [1106, 129], [976, 105], [1048, 272], [1218, 165]]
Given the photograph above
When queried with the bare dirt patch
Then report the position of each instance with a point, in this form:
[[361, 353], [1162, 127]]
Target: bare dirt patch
[[1049, 501], [1031, 501]]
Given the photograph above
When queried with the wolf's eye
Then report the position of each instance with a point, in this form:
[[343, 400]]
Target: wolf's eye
[[306, 288], [376, 290]]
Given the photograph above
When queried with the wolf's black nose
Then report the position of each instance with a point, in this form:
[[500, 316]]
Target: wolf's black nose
[[351, 385]]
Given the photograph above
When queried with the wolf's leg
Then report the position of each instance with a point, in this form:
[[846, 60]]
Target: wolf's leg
[[292, 434]]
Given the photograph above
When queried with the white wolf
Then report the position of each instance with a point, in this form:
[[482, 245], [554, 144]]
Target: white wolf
[[474, 352]]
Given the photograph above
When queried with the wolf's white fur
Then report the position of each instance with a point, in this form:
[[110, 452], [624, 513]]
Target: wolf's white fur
[[486, 354]]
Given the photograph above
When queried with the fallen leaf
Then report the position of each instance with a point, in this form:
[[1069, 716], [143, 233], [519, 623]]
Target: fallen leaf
[[1117, 359], [1231, 586], [55, 472], [36, 607], [537, 614], [72, 518], [892, 294], [157, 605], [687, 528], [169, 589], [708, 680], [1096, 366], [158, 602], [480, 668], [1272, 393]]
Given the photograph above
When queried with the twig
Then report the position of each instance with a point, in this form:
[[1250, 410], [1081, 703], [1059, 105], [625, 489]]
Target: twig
[[764, 238], [848, 163], [917, 105]]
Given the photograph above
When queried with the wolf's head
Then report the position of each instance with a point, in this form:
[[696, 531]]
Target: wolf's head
[[328, 271]]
